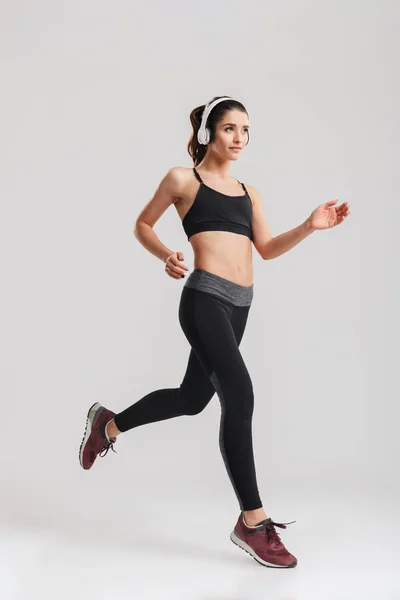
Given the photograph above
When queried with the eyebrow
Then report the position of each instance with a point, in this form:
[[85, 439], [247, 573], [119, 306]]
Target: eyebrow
[[234, 125]]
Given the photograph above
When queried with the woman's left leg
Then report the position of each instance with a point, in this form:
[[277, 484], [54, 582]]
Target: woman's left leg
[[213, 327]]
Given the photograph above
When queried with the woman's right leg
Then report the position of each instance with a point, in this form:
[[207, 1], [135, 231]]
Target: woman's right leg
[[190, 398], [103, 425]]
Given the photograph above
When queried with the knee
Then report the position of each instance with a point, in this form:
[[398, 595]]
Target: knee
[[240, 400], [192, 403], [195, 408], [245, 405]]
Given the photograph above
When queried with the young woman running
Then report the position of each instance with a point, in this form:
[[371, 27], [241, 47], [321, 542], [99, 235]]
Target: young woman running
[[222, 218]]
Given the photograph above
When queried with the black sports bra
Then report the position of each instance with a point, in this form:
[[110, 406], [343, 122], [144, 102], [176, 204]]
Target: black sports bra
[[214, 211]]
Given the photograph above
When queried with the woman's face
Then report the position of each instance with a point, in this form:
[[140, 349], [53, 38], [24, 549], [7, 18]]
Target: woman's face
[[231, 131]]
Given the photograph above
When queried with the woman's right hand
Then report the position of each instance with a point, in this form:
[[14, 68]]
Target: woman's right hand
[[174, 267]]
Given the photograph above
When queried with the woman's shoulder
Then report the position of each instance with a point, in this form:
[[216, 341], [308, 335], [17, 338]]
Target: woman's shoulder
[[175, 181], [181, 172], [179, 176]]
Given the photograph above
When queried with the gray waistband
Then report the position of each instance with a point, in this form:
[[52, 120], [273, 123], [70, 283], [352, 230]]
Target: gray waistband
[[239, 295]]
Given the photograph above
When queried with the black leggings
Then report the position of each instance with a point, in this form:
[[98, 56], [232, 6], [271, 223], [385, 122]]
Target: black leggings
[[213, 314]]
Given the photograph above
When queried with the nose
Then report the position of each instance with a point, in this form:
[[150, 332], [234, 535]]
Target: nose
[[240, 139]]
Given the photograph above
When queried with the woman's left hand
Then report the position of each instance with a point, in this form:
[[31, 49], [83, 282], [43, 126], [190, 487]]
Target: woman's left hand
[[327, 215]]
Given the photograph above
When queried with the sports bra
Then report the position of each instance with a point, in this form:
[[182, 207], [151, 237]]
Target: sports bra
[[215, 211]]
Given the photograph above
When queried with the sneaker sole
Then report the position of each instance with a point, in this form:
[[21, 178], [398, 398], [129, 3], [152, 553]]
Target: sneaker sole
[[88, 430], [238, 542]]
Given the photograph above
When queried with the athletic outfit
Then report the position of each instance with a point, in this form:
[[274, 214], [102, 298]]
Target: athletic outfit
[[213, 312], [212, 211]]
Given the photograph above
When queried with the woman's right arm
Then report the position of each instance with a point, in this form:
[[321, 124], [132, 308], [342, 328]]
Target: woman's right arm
[[166, 194]]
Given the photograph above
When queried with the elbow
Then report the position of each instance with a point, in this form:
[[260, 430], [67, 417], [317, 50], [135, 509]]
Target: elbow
[[137, 227], [266, 251]]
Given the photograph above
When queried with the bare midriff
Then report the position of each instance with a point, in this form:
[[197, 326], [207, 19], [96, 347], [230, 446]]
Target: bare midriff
[[224, 253]]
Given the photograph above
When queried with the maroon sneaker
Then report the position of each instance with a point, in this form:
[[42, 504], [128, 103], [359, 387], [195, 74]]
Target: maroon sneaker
[[95, 440], [263, 543]]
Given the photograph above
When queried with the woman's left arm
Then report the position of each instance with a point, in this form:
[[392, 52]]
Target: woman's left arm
[[324, 216]]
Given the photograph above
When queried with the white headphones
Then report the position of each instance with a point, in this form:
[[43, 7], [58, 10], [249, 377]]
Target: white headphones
[[204, 133]]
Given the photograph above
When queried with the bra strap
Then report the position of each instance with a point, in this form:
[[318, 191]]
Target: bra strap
[[201, 181], [197, 175], [243, 186]]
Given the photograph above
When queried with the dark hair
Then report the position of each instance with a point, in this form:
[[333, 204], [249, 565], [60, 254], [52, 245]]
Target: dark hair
[[197, 151]]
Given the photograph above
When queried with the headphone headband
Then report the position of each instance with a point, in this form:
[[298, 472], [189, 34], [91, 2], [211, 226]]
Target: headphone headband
[[203, 134]]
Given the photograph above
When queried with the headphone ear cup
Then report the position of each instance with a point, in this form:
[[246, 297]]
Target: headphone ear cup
[[203, 136]]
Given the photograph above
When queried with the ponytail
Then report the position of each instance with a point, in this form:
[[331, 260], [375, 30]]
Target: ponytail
[[196, 151]]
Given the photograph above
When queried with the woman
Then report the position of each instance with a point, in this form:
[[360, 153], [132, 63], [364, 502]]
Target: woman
[[222, 218]]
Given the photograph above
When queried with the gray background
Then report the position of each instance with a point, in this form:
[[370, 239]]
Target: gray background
[[95, 107]]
